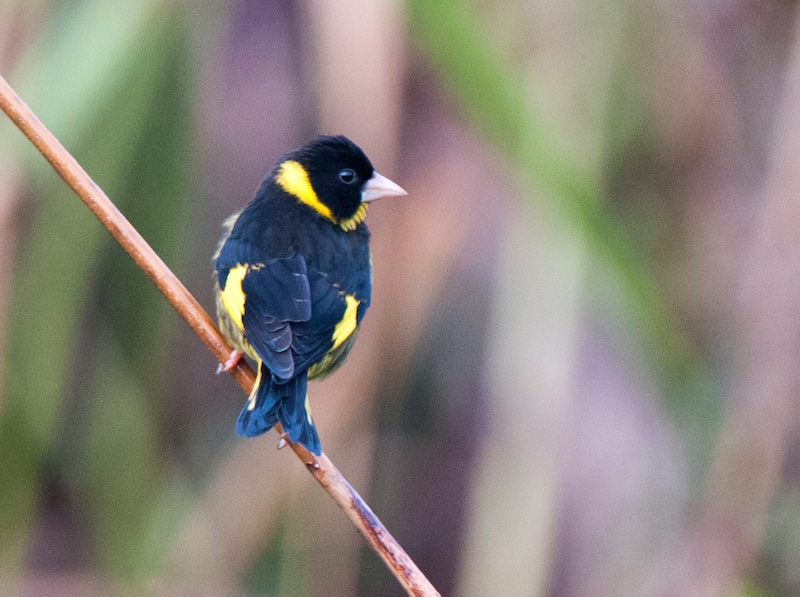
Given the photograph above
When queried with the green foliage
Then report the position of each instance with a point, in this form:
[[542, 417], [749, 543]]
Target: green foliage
[[264, 576], [120, 107], [118, 97], [494, 97], [119, 464]]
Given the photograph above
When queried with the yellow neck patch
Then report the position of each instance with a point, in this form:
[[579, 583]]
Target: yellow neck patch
[[293, 179]]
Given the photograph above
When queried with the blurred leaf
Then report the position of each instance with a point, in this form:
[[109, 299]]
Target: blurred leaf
[[279, 569], [156, 187], [532, 339], [79, 64], [120, 460], [779, 562], [748, 589]]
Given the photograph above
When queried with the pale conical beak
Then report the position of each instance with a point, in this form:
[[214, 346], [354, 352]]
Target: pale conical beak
[[379, 186]]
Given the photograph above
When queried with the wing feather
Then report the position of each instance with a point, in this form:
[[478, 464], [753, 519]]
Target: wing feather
[[276, 296]]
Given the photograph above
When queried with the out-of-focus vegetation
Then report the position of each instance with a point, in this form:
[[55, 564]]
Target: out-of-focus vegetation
[[577, 374]]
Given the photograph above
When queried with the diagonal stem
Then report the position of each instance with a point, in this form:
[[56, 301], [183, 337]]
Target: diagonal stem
[[323, 470]]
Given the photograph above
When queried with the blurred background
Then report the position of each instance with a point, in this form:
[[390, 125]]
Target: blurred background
[[578, 376]]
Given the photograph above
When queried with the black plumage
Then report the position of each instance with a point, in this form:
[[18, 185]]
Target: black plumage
[[293, 279]]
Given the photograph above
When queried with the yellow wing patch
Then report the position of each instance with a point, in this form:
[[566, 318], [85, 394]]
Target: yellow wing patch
[[293, 179], [347, 325], [233, 295]]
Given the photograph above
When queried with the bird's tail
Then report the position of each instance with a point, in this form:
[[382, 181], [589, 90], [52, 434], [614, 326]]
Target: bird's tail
[[286, 402]]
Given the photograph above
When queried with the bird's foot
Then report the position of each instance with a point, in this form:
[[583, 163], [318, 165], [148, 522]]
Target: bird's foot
[[231, 362], [284, 441]]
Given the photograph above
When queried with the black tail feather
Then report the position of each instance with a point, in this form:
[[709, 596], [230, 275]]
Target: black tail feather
[[284, 402]]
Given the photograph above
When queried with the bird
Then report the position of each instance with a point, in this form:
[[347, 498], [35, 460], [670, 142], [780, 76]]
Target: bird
[[293, 279]]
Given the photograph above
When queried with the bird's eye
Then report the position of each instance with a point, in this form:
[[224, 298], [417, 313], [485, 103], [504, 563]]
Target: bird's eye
[[347, 176]]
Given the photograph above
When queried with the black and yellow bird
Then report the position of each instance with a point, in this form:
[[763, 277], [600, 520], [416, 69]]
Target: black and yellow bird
[[293, 278]]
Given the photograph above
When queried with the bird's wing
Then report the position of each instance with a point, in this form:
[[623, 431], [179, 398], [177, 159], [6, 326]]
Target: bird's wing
[[276, 295], [335, 316]]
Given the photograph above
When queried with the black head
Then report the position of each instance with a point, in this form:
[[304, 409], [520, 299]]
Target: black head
[[337, 170]]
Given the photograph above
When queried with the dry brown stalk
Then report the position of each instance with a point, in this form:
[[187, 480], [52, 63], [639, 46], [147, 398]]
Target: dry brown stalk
[[323, 470]]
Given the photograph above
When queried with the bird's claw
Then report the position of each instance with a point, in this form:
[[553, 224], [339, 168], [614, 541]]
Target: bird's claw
[[284, 441], [230, 363]]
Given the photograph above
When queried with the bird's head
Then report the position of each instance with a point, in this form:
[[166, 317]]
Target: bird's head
[[334, 177]]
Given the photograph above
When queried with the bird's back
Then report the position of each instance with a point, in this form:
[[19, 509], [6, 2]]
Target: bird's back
[[275, 226]]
